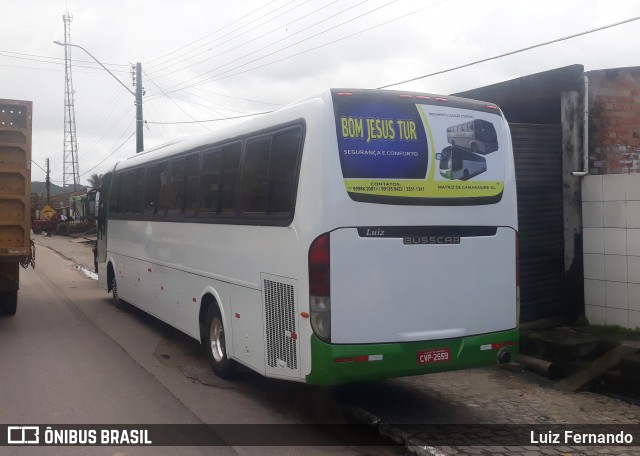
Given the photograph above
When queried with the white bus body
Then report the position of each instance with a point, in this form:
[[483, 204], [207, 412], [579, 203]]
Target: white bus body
[[378, 267]]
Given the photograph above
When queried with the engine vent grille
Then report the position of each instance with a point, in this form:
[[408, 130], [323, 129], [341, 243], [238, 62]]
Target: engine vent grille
[[279, 300]]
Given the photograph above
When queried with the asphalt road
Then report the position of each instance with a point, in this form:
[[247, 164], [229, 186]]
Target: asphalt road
[[69, 356]]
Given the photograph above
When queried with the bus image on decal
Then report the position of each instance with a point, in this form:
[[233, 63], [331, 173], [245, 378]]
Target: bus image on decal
[[310, 241], [478, 136], [459, 163]]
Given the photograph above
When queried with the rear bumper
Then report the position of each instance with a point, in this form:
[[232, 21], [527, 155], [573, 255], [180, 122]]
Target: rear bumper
[[335, 364]]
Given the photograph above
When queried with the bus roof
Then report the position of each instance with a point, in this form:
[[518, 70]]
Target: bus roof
[[262, 121]]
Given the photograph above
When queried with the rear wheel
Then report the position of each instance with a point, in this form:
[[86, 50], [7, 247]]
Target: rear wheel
[[63, 229], [465, 174], [214, 338], [37, 231], [8, 303], [474, 148], [119, 303]]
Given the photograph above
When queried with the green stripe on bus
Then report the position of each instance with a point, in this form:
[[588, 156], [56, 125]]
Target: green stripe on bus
[[334, 364]]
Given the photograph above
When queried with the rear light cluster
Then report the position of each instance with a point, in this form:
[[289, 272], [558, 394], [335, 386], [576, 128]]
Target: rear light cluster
[[320, 286]]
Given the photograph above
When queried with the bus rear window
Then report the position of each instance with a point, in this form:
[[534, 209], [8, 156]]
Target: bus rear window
[[407, 150]]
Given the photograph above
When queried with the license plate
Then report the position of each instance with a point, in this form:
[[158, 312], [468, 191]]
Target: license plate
[[438, 355]]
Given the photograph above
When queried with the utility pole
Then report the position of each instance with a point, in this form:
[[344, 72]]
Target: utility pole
[[137, 94], [48, 183], [139, 125]]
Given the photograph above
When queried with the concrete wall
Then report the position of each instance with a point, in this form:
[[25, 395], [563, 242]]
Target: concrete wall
[[611, 199]]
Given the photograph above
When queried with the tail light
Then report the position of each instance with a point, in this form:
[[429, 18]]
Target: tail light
[[320, 287]]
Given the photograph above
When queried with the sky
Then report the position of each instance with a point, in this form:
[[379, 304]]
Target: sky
[[207, 64]]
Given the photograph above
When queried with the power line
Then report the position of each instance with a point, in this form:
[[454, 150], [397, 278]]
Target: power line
[[51, 60], [513, 52], [105, 113], [288, 37], [23, 67], [108, 156], [232, 38], [109, 128], [154, 96], [209, 120], [210, 107], [38, 166], [288, 46], [173, 101], [216, 78], [238, 98], [147, 65]]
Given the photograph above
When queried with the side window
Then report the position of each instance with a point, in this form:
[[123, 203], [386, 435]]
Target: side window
[[191, 196], [163, 190], [210, 181], [127, 192], [139, 190], [175, 202], [105, 193], [114, 204], [153, 189], [457, 162], [255, 175], [229, 181], [269, 173], [285, 153]]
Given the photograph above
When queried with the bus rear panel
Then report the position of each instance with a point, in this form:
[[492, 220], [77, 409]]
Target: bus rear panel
[[417, 267]]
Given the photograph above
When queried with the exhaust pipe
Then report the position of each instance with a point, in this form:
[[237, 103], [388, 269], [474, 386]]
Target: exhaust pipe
[[504, 356], [539, 366]]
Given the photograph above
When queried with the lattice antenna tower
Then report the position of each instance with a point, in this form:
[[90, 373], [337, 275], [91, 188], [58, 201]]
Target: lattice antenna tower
[[70, 172]]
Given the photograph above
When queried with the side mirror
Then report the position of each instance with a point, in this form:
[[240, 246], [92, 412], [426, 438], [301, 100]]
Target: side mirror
[[438, 156]]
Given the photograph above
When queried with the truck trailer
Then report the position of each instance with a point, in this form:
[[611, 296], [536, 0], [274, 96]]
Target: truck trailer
[[16, 246]]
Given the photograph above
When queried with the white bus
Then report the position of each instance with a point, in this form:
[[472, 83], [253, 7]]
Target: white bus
[[318, 244], [478, 136], [459, 163]]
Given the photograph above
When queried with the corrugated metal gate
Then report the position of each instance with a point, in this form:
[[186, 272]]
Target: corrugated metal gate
[[538, 161]]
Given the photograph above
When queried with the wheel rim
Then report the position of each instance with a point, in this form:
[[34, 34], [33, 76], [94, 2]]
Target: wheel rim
[[216, 339]]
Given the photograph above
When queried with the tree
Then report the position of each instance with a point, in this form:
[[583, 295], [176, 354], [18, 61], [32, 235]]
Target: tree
[[95, 180]]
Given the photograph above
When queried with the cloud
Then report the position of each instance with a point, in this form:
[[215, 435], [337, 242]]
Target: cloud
[[345, 43]]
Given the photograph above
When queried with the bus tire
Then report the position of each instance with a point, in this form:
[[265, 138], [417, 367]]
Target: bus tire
[[8, 303], [119, 303], [465, 174], [474, 148], [215, 344], [63, 229]]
